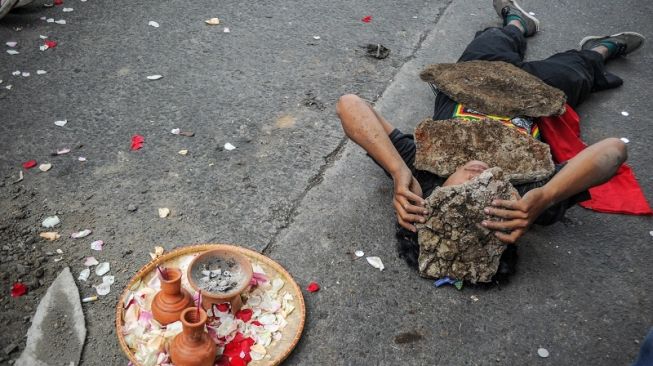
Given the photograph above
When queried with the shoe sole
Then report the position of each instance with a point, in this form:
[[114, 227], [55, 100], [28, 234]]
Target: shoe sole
[[591, 38], [527, 15]]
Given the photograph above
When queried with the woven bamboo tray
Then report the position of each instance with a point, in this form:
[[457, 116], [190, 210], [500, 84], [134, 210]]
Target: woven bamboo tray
[[278, 350]]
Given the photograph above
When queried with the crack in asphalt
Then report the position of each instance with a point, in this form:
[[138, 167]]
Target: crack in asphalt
[[335, 155]]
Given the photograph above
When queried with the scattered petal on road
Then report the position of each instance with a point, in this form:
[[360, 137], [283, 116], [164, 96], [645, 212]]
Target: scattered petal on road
[[90, 261], [543, 352], [175, 131], [12, 44], [51, 221], [137, 142], [359, 253], [625, 114], [16, 73], [375, 262], [50, 44], [67, 10], [164, 212], [50, 235], [63, 151], [41, 72], [29, 164], [81, 234], [84, 274], [367, 19], [103, 289], [226, 30], [50, 20], [183, 152], [212, 21], [474, 298], [153, 24], [45, 167], [25, 74], [60, 21], [12, 52], [102, 268], [229, 146], [61, 123], [313, 287], [18, 289], [97, 245], [316, 37], [81, 158], [625, 140], [154, 77]]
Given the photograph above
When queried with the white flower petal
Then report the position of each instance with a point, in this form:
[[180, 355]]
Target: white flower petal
[[12, 44], [102, 268], [12, 52], [67, 10], [97, 245], [81, 234], [153, 24], [375, 262], [45, 167], [84, 274], [41, 72], [359, 253], [229, 146], [90, 261], [154, 77], [51, 221], [103, 289], [61, 123], [164, 212], [60, 21]]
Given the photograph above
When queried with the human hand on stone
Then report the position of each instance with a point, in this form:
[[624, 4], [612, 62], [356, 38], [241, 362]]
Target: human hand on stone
[[407, 201], [518, 215]]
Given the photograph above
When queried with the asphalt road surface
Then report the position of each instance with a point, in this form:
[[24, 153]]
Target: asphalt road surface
[[293, 187]]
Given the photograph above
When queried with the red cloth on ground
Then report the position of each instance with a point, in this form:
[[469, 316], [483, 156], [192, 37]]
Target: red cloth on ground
[[621, 194]]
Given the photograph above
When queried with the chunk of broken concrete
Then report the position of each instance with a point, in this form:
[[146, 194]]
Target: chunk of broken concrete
[[452, 241], [58, 331], [496, 87], [443, 146]]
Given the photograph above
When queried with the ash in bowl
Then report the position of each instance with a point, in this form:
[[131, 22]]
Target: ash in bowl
[[218, 275]]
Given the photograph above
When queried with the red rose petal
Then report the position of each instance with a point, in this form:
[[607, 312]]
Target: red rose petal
[[137, 142], [313, 287], [51, 44], [224, 307], [18, 289], [244, 315], [29, 164], [58, 2], [367, 19], [257, 323]]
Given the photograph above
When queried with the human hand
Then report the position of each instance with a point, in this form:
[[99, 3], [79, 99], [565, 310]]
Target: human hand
[[518, 215], [407, 201]]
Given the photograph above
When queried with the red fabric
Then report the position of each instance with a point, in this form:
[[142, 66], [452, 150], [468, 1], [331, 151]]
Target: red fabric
[[621, 194]]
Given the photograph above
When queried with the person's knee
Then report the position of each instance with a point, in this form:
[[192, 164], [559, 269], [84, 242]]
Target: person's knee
[[618, 147], [345, 103]]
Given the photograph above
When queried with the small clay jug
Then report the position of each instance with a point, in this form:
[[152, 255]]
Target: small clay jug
[[171, 300], [193, 346]]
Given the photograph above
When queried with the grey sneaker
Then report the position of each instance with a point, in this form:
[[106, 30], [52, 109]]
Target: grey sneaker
[[508, 8], [624, 43]]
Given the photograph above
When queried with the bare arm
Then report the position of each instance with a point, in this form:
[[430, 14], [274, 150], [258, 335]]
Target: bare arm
[[369, 130], [591, 167]]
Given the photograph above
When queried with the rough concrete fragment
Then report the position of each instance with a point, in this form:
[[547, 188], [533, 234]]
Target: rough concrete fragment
[[58, 331], [452, 241], [496, 87], [443, 146]]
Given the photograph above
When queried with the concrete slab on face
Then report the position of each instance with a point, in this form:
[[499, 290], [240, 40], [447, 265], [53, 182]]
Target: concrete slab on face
[[581, 290], [58, 331]]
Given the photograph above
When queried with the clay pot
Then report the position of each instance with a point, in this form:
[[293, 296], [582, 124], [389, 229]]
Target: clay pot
[[171, 300], [232, 296], [193, 346]]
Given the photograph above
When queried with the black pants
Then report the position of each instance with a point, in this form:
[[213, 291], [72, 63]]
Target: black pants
[[576, 73]]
